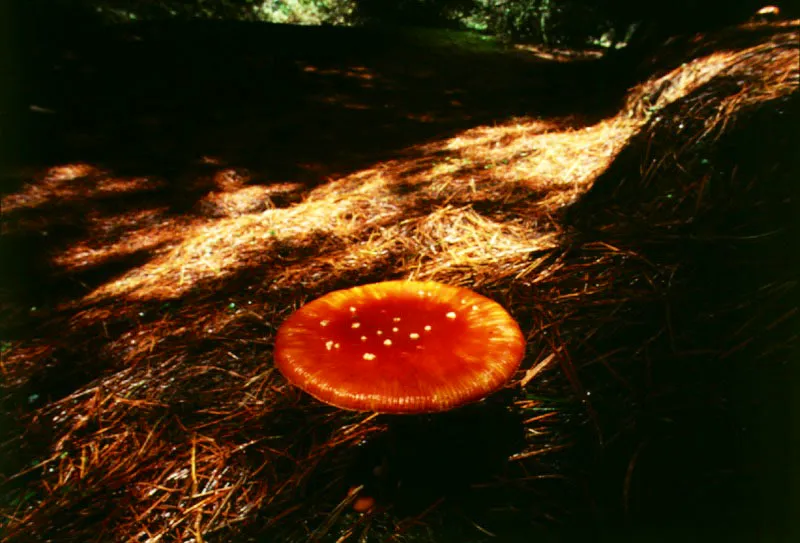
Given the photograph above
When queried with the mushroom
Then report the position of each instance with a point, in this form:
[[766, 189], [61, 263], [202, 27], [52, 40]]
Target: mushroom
[[399, 347], [362, 503]]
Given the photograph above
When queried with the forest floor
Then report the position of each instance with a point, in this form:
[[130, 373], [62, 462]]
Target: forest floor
[[183, 188]]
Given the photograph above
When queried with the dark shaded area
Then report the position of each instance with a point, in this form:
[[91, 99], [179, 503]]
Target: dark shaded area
[[657, 21], [165, 94], [457, 458], [423, 458], [707, 443]]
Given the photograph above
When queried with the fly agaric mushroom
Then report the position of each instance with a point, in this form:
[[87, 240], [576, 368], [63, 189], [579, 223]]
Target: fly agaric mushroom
[[399, 347]]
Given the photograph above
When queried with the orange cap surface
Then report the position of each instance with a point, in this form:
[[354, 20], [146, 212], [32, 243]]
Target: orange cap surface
[[399, 347]]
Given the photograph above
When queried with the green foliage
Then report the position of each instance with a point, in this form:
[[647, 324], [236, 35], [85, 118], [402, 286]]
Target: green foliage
[[549, 22], [515, 19], [278, 11], [427, 13], [308, 12], [610, 23], [537, 21], [545, 21], [132, 10]]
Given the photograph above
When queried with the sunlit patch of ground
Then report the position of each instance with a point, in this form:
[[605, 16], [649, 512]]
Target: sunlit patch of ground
[[72, 182], [120, 236], [175, 418], [559, 55], [419, 200]]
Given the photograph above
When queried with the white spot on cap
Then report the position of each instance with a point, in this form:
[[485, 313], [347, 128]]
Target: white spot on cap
[[451, 315], [474, 307], [387, 342], [336, 345], [427, 328], [369, 356], [421, 292], [413, 335], [324, 323], [396, 319], [355, 325], [352, 309], [379, 332], [328, 345], [363, 338], [395, 329]]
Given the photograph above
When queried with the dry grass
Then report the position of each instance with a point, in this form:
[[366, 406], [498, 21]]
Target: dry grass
[[180, 430]]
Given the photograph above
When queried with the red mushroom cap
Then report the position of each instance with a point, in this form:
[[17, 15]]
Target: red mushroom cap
[[399, 347]]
